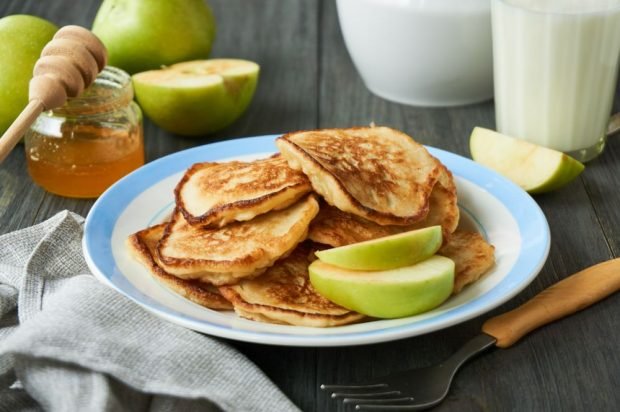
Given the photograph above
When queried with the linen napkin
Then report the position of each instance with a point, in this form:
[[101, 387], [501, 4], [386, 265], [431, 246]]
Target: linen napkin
[[70, 343]]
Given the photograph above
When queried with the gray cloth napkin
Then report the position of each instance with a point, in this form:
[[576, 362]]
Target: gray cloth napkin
[[69, 343]]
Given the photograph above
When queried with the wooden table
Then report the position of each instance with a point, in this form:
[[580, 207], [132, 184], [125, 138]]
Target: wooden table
[[308, 81]]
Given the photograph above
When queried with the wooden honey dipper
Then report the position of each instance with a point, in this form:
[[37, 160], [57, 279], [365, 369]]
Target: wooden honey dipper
[[69, 63]]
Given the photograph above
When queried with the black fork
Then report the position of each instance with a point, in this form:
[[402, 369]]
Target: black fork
[[426, 387], [413, 389]]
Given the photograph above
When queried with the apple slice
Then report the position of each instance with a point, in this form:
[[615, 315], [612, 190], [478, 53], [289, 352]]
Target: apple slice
[[198, 97], [390, 252], [535, 168], [391, 293]]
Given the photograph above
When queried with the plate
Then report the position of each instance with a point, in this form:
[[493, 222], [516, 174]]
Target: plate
[[506, 215]]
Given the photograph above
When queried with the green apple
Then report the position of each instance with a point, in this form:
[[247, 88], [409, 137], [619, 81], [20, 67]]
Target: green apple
[[148, 34], [199, 97], [390, 293], [535, 168], [390, 252], [22, 38]]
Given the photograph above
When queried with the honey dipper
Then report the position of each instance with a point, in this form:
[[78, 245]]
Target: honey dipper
[[69, 63]]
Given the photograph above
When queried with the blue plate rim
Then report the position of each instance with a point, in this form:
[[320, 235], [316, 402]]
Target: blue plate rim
[[529, 217]]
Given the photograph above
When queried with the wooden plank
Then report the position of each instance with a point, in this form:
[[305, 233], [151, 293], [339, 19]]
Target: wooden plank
[[20, 200], [602, 180]]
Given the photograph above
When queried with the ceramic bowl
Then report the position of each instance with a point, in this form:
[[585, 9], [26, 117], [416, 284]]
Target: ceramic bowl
[[421, 52]]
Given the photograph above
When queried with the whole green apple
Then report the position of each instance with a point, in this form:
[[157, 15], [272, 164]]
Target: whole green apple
[[148, 34], [22, 38], [390, 293]]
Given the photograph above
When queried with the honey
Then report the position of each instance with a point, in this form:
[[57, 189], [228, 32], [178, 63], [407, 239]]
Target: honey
[[84, 167], [83, 148]]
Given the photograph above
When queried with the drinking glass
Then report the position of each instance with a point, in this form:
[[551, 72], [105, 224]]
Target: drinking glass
[[555, 66]]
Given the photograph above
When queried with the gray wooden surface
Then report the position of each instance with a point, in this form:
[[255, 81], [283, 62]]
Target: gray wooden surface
[[308, 81]]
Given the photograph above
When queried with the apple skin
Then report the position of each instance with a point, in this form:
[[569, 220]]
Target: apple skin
[[390, 252], [536, 169], [22, 38], [196, 111], [392, 293], [147, 34]]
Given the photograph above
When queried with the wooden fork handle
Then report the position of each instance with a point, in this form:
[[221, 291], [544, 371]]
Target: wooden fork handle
[[568, 296]]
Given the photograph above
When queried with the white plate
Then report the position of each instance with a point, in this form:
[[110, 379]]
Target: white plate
[[505, 214]]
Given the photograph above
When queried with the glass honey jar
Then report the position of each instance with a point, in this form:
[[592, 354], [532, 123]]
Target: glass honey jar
[[82, 148]]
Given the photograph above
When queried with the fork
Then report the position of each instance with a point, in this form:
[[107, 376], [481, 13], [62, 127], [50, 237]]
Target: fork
[[423, 388]]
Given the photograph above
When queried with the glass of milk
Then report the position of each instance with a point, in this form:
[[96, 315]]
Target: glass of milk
[[555, 69]]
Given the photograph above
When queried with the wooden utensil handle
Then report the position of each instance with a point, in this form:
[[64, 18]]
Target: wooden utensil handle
[[19, 127], [69, 63], [568, 296]]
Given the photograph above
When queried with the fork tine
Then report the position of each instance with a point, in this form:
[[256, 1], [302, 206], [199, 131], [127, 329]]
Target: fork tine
[[374, 386], [364, 394], [376, 401]]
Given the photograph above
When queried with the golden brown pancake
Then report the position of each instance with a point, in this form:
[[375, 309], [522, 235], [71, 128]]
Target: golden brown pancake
[[242, 249], [142, 245], [283, 294], [443, 208], [377, 173], [337, 228], [214, 194], [472, 257]]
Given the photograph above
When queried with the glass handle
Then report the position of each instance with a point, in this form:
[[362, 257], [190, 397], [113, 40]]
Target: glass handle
[[614, 125]]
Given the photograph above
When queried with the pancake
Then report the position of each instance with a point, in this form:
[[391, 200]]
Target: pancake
[[444, 208], [224, 255], [472, 257], [376, 173], [215, 194], [142, 245], [284, 295], [337, 228]]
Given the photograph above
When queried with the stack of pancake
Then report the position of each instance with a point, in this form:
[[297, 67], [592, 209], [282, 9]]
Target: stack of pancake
[[243, 233]]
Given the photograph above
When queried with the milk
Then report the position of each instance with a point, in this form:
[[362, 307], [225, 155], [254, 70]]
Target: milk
[[555, 70]]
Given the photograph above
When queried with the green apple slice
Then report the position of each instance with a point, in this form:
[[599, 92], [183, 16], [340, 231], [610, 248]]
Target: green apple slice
[[391, 293], [390, 252], [535, 168], [198, 97]]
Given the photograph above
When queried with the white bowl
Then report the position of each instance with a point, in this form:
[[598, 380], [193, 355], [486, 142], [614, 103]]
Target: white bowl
[[421, 52]]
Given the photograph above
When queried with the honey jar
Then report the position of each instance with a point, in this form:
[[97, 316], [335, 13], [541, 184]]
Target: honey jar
[[82, 148]]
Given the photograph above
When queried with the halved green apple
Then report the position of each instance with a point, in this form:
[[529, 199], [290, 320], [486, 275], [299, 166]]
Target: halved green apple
[[390, 252], [391, 293], [197, 97], [535, 168]]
